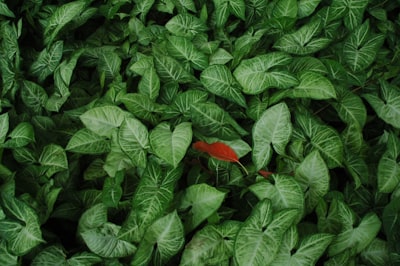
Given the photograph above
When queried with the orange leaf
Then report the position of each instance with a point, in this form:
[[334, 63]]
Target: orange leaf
[[264, 173]]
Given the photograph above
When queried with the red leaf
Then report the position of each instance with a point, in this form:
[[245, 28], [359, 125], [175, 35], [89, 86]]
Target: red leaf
[[264, 173], [218, 150]]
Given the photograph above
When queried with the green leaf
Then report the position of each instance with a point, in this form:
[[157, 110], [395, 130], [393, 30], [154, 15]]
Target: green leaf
[[322, 138], [285, 193], [170, 145], [258, 240], [185, 25], [388, 106], [4, 126], [166, 237], [182, 48], [213, 121], [149, 84], [202, 200], [116, 159], [388, 173], [169, 69], [311, 249], [152, 197], [6, 258], [273, 129], [61, 17], [304, 40], [133, 138], [183, 102], [85, 141], [361, 48], [20, 229], [218, 80], [358, 238], [220, 57], [20, 136], [33, 95], [104, 242], [54, 159], [306, 7], [211, 245], [142, 107], [109, 64], [353, 11], [103, 120], [377, 253], [54, 255], [257, 74], [112, 190], [350, 107], [92, 218], [5, 11], [314, 86], [313, 176], [285, 8], [47, 61]]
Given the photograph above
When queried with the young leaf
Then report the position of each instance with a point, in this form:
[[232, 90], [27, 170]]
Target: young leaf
[[133, 138], [104, 242], [61, 17], [361, 48], [387, 107], [304, 40], [211, 244], [47, 61], [21, 228], [262, 72], [218, 79], [285, 193], [313, 176], [103, 120], [258, 240], [273, 129], [214, 121], [171, 146], [85, 141], [203, 200], [314, 86], [54, 159]]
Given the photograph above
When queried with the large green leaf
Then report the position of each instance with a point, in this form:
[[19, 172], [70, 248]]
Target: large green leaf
[[218, 79], [61, 17], [183, 49], [213, 121], [352, 10], [109, 64], [257, 74], [142, 107], [313, 85], [87, 142], [47, 61], [152, 197], [350, 107], [358, 238], [284, 193], [224, 8], [388, 173], [387, 107], [183, 102], [133, 138], [322, 138], [20, 229], [273, 129], [103, 120], [170, 69], [54, 159], [377, 253], [313, 176], [149, 84], [104, 242], [304, 41], [165, 237], [311, 249], [54, 255], [361, 48], [185, 25], [20, 136], [258, 240], [170, 145], [285, 8], [306, 7], [33, 95], [202, 200], [211, 245]]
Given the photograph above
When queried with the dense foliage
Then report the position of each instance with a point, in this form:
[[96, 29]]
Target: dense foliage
[[101, 101]]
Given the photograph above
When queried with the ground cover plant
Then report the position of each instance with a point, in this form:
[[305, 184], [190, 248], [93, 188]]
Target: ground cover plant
[[181, 132]]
